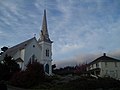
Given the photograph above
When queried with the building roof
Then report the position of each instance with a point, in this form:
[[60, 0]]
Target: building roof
[[11, 51], [104, 58], [19, 60]]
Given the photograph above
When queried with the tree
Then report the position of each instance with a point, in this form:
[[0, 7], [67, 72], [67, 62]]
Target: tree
[[34, 74], [8, 67], [53, 66], [11, 64], [1, 53], [4, 72], [3, 49], [80, 69], [37, 69]]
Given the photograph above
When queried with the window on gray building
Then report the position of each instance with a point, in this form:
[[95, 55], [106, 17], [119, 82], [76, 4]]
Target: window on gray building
[[116, 73], [47, 52], [115, 64], [32, 59], [106, 64], [47, 68], [106, 72], [97, 65]]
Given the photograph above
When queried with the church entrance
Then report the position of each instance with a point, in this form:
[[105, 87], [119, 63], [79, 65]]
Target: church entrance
[[47, 68]]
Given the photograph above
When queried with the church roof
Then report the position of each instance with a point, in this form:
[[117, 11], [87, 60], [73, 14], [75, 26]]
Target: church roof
[[11, 51], [104, 58]]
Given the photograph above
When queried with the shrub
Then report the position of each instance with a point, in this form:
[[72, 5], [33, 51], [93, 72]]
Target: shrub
[[8, 67], [30, 77]]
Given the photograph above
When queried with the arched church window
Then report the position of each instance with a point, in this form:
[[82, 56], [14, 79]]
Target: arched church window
[[47, 68], [33, 45], [47, 52], [32, 59]]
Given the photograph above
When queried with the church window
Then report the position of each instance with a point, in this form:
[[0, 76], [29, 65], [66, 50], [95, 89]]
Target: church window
[[116, 73], [30, 61], [106, 72], [47, 52], [33, 45], [97, 65], [32, 58], [115, 64], [47, 68], [106, 64]]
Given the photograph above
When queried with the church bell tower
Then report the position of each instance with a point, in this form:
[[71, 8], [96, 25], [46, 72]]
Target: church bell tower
[[46, 46]]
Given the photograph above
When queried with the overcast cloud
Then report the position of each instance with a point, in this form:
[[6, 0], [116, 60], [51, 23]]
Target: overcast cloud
[[81, 29]]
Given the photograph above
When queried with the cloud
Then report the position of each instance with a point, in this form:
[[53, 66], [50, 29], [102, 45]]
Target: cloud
[[90, 27], [85, 58], [115, 54], [18, 20], [67, 48], [76, 26], [77, 59]]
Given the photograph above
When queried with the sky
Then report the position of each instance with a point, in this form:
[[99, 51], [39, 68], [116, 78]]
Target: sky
[[82, 30]]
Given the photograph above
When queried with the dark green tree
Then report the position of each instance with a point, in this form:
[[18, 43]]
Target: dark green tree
[[4, 72], [11, 64], [3, 49], [33, 75], [53, 66], [1, 53], [8, 67]]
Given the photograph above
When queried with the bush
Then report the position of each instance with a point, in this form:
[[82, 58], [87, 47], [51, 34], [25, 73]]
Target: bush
[[8, 67], [30, 77], [92, 84]]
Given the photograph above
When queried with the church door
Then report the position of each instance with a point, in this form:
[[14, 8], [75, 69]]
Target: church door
[[47, 68]]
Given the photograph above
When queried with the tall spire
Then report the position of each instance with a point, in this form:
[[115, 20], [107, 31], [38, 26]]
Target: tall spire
[[44, 25], [44, 36]]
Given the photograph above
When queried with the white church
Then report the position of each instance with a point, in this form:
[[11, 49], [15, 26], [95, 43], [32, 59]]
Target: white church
[[33, 49]]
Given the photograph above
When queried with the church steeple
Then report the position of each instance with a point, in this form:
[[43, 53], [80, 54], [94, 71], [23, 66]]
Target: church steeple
[[45, 46], [44, 36], [44, 25]]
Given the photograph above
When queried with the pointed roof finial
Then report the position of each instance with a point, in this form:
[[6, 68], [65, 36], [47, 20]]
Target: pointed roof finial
[[34, 35], [104, 54]]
